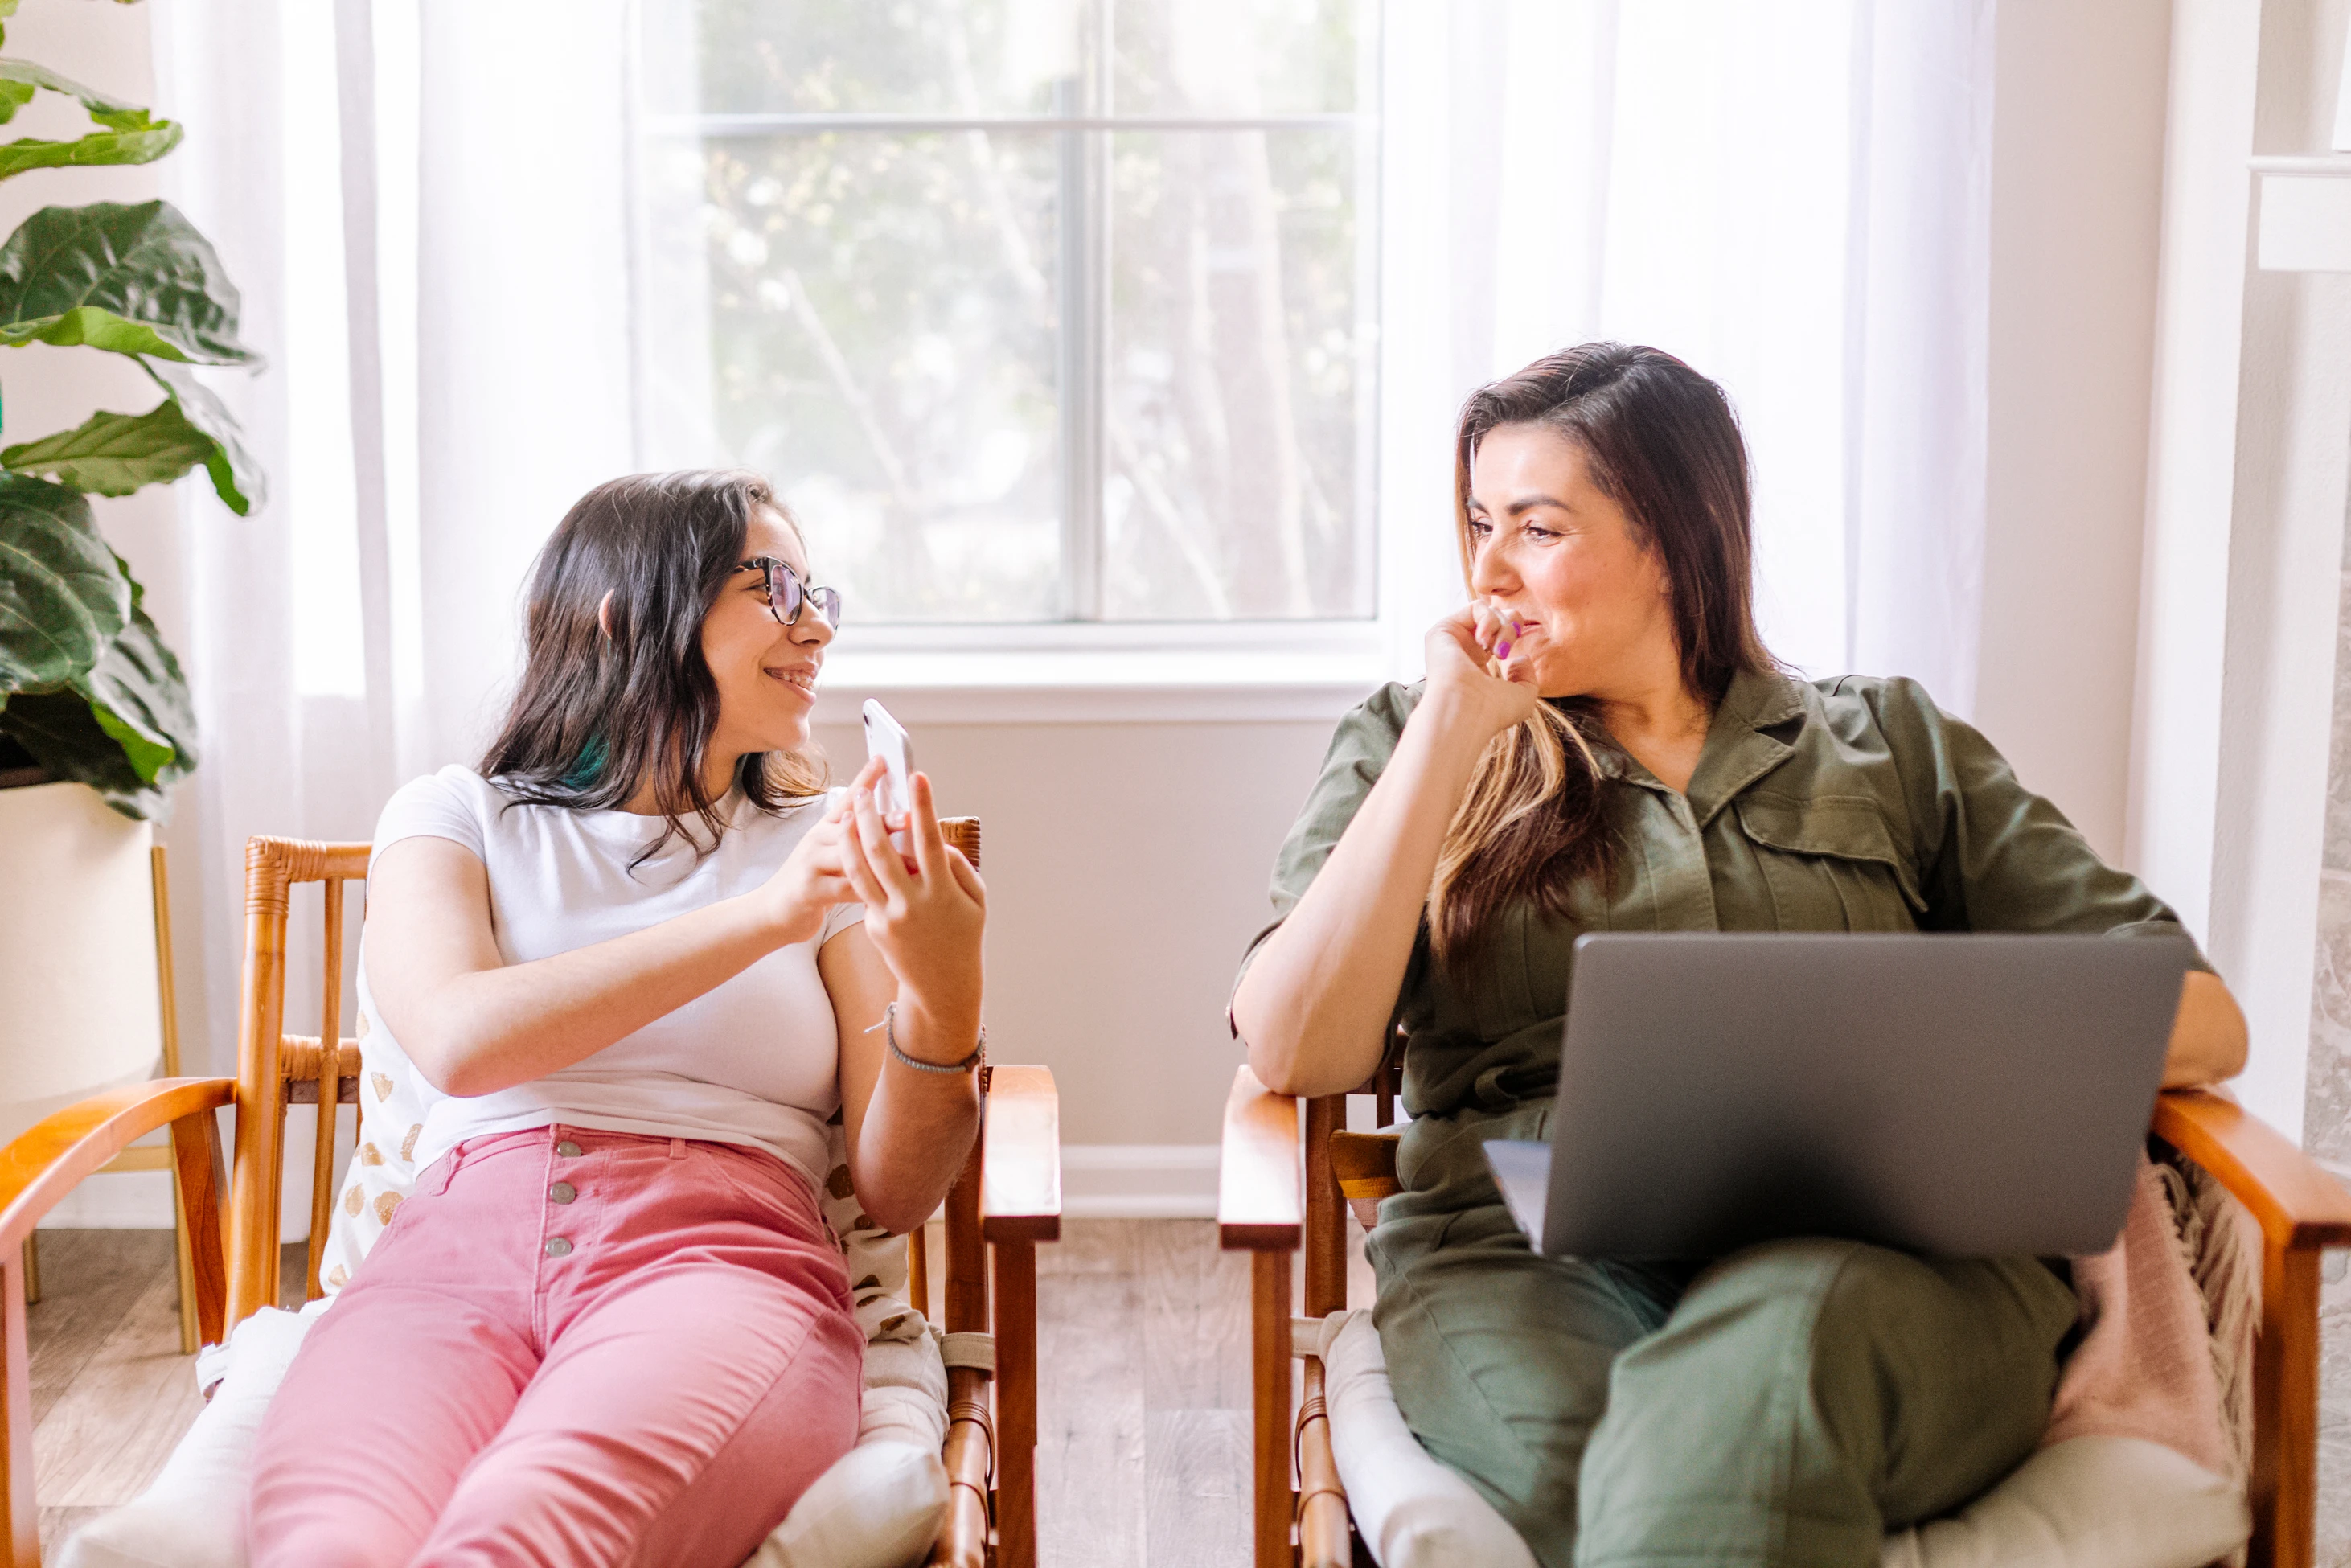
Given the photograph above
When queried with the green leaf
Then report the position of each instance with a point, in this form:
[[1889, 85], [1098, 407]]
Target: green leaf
[[235, 473], [62, 732], [135, 279], [125, 727], [63, 598], [26, 77], [139, 697], [131, 134], [116, 454], [100, 147], [88, 324]]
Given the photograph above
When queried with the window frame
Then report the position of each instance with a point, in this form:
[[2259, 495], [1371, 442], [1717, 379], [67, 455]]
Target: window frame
[[1317, 656]]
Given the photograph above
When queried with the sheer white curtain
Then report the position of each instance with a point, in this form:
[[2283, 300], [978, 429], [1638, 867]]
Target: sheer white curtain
[[1794, 198], [424, 205]]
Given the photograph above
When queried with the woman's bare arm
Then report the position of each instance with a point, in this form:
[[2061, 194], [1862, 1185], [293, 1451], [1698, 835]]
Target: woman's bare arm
[[1314, 1007], [2207, 1034], [919, 946], [908, 1133], [475, 1024]]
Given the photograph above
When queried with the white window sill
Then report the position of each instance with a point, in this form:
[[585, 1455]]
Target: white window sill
[[1198, 685]]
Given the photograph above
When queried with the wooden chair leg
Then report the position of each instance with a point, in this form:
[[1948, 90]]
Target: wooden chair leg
[[181, 1257], [918, 1270], [1269, 1376], [2284, 1484], [1016, 1404], [970, 1451], [200, 1182], [22, 1523]]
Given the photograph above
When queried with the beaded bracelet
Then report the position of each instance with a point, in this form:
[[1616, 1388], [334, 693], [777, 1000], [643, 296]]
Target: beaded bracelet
[[890, 1027]]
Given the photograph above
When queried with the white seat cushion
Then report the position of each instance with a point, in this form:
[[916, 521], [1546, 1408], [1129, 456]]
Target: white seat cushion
[[879, 1506], [2089, 1503], [1412, 1511], [191, 1515]]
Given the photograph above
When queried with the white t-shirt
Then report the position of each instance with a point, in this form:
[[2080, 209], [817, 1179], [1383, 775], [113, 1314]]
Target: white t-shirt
[[754, 1061]]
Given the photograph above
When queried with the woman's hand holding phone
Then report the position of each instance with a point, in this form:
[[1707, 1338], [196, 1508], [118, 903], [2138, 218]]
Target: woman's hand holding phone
[[924, 913]]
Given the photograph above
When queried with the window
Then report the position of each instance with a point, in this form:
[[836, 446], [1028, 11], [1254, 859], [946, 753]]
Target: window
[[1034, 310]]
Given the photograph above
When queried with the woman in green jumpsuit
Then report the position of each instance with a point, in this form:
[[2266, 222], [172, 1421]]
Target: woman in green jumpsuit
[[1603, 744]]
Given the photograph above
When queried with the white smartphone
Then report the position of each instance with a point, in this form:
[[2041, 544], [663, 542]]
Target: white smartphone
[[886, 738]]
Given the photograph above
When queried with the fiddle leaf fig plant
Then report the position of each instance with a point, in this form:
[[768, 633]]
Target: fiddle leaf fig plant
[[87, 690]]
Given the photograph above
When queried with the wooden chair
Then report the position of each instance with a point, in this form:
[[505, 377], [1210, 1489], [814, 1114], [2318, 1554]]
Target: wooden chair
[[1006, 1200], [1281, 1186]]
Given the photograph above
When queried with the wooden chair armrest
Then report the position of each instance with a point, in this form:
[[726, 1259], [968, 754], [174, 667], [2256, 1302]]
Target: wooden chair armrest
[[1020, 1176], [2299, 1204], [1260, 1185], [51, 1157]]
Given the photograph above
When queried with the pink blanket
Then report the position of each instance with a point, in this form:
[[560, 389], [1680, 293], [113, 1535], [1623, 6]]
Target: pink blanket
[[2144, 1367]]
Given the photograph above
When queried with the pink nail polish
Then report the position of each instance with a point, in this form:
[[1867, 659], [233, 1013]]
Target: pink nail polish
[[1501, 650]]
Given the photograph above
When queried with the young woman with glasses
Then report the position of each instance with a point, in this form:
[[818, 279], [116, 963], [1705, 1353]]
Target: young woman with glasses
[[642, 958]]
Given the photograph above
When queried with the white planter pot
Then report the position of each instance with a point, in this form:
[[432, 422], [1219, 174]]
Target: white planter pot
[[79, 1008]]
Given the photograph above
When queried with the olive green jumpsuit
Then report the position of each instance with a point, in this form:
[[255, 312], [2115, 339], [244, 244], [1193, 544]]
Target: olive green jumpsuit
[[1788, 1404]]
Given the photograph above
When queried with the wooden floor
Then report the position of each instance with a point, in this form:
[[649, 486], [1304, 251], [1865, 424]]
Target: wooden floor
[[111, 1392], [1144, 1441]]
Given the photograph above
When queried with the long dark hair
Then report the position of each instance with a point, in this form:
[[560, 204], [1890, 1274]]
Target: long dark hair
[[1661, 441], [598, 715]]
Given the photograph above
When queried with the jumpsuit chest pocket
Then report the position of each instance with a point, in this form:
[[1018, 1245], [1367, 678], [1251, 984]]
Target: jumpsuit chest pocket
[[1831, 863]]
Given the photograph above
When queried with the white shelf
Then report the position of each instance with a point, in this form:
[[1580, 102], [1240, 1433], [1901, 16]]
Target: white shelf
[[2325, 165], [2305, 214]]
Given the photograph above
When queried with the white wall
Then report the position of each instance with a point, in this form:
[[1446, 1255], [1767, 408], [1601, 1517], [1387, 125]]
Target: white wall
[[2076, 195]]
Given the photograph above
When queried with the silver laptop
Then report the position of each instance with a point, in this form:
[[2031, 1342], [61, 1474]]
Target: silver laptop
[[1958, 1095]]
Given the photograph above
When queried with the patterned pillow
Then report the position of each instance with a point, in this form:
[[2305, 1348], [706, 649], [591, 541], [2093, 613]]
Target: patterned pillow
[[392, 1101]]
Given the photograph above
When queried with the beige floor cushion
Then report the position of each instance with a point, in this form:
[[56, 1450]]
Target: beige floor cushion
[[2091, 1503]]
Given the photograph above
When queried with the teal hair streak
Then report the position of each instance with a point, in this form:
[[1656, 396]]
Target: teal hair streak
[[590, 766]]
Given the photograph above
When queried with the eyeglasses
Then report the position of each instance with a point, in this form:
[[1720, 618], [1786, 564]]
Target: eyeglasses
[[787, 593]]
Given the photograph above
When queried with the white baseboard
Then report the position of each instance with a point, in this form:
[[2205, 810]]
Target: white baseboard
[[141, 1200], [1139, 1181], [117, 1201]]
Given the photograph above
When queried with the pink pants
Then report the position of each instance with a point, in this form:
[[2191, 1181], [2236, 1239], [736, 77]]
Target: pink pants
[[570, 1348]]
